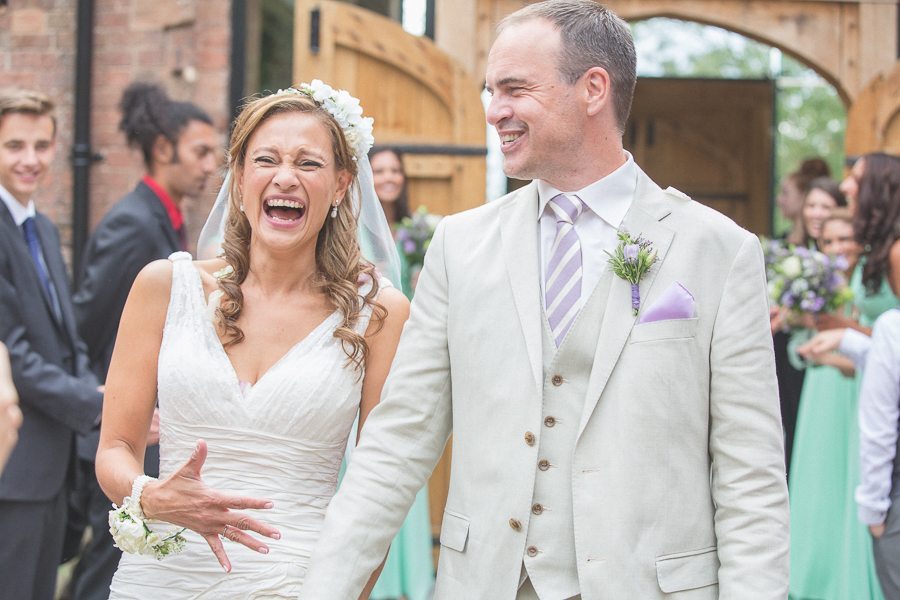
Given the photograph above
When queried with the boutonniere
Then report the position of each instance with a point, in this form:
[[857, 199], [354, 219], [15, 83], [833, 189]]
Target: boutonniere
[[631, 260]]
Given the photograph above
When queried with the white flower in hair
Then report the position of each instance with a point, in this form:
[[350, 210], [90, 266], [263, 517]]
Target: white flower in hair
[[345, 109]]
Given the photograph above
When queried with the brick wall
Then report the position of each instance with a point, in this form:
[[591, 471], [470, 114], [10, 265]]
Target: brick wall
[[37, 51], [182, 44]]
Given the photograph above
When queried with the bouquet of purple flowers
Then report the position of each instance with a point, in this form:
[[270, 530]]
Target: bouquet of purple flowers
[[414, 235], [804, 280]]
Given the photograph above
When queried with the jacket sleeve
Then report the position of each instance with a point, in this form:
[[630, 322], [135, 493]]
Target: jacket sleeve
[[746, 445], [119, 249], [401, 443], [42, 385]]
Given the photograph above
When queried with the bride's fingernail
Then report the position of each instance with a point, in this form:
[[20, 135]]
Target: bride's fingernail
[[275, 536], [269, 505]]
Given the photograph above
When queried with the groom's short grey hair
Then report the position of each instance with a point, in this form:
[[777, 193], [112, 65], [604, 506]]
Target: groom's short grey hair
[[592, 36]]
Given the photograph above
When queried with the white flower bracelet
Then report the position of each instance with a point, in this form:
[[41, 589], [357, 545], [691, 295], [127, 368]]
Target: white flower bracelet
[[131, 530]]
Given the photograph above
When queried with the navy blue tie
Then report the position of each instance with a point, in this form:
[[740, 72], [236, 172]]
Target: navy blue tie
[[34, 248]]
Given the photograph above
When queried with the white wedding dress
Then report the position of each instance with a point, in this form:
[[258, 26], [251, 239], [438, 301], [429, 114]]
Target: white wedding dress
[[282, 439]]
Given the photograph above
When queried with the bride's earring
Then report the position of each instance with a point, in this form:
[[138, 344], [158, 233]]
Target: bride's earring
[[334, 210], [242, 207]]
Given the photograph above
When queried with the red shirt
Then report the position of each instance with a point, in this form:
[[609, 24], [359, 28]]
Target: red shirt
[[171, 208]]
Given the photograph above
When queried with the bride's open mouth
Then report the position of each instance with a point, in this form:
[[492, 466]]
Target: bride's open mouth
[[284, 210]]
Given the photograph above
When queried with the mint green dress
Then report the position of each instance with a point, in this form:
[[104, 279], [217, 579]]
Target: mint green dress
[[409, 569], [831, 551]]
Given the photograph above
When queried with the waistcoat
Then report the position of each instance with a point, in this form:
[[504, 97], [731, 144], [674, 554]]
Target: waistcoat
[[550, 542]]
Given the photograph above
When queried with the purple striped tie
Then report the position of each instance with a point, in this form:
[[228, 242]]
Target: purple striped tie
[[562, 289]]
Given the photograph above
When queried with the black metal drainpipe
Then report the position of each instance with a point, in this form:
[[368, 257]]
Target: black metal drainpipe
[[238, 57], [429, 19], [82, 155]]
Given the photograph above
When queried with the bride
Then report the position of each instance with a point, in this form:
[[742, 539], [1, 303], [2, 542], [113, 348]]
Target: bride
[[260, 362]]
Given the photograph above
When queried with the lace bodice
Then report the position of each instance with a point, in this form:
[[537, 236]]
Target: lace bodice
[[283, 440]]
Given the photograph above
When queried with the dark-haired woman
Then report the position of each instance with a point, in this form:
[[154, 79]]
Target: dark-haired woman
[[389, 176], [180, 149], [790, 200], [831, 555]]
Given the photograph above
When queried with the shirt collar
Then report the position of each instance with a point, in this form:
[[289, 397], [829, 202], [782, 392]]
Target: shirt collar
[[609, 198], [19, 213], [172, 209]]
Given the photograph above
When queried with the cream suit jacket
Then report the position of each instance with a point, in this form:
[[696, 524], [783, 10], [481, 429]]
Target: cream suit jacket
[[678, 475]]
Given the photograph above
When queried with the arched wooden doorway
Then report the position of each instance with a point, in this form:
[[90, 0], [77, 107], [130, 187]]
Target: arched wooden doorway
[[420, 98], [849, 42], [873, 123], [853, 44]]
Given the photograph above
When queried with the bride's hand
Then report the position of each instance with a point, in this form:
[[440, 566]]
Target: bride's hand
[[183, 499]]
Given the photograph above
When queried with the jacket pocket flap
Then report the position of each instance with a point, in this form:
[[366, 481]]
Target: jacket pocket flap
[[687, 570], [454, 532]]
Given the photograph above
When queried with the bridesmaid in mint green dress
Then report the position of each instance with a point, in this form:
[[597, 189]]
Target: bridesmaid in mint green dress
[[831, 551], [409, 570]]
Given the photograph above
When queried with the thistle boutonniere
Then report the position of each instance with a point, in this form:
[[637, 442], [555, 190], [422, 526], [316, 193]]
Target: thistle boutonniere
[[631, 260]]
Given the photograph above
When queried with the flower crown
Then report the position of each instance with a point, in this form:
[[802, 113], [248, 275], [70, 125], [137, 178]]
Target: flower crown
[[346, 111]]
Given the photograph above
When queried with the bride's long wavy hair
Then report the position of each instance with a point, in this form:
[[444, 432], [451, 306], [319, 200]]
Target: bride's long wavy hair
[[339, 261]]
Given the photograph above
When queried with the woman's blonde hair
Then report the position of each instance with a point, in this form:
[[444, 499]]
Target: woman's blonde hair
[[339, 261]]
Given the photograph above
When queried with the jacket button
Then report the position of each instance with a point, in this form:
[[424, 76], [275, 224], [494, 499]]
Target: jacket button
[[557, 380], [529, 438], [531, 551], [543, 464], [550, 421], [515, 524], [537, 509]]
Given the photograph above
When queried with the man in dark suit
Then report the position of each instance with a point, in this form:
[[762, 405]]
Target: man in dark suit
[[58, 393], [179, 146]]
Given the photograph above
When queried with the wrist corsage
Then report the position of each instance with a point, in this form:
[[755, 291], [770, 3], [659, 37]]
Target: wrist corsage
[[132, 532]]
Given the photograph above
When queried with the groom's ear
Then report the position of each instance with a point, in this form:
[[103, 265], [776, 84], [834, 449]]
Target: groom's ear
[[597, 90]]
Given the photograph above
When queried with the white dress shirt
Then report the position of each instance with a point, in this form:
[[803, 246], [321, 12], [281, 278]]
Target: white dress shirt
[[879, 412], [19, 213], [606, 202]]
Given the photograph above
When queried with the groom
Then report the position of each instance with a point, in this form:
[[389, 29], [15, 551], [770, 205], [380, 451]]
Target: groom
[[596, 454]]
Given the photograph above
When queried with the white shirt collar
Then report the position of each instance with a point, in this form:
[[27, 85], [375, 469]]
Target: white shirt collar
[[19, 213], [609, 198]]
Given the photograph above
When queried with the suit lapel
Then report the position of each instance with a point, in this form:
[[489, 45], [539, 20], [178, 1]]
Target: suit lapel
[[643, 218], [57, 273], [23, 258], [519, 237], [159, 212]]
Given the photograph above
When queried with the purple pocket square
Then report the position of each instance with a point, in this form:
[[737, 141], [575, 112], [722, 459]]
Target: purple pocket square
[[674, 303]]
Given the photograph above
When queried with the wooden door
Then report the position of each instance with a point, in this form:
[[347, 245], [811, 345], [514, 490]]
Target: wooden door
[[873, 121], [421, 100], [711, 139]]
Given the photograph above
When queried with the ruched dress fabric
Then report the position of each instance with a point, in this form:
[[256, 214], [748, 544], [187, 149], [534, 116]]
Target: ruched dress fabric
[[281, 439]]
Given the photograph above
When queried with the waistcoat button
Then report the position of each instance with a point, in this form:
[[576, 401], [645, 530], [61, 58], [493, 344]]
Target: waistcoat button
[[544, 464], [532, 551], [557, 380], [550, 421], [537, 509], [515, 524], [529, 438]]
